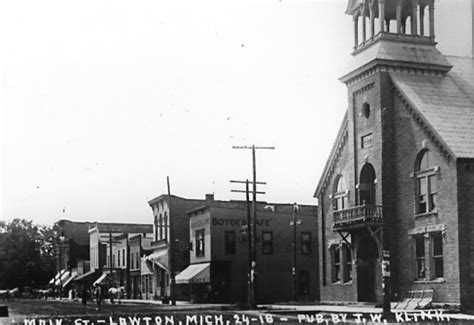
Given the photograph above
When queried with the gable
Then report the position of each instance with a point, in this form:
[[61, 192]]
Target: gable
[[445, 104]]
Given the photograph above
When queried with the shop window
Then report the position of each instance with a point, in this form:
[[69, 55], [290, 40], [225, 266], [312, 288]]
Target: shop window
[[303, 282], [230, 242], [339, 197], [426, 183], [305, 243], [437, 255], [336, 263], [267, 242], [200, 243], [348, 263], [420, 269]]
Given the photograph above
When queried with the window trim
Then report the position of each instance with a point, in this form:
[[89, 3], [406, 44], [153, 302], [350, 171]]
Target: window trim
[[200, 252], [425, 175], [434, 257], [336, 270]]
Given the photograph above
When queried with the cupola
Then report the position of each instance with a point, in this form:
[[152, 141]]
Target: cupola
[[410, 20]]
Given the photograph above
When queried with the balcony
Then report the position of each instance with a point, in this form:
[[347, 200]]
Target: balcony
[[358, 217]]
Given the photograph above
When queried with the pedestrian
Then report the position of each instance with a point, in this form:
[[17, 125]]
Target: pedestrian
[[98, 295], [84, 296]]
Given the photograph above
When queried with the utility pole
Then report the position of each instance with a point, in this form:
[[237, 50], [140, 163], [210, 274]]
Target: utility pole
[[253, 272], [293, 223], [250, 282], [171, 246]]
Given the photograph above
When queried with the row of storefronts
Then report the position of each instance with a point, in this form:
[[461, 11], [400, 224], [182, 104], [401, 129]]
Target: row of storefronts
[[204, 243]]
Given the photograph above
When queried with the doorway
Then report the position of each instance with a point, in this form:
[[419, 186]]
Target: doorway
[[367, 266]]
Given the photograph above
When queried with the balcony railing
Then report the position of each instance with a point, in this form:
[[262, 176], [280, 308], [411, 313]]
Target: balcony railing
[[358, 216]]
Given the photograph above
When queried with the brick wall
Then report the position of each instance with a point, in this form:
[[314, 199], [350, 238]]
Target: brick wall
[[409, 139]]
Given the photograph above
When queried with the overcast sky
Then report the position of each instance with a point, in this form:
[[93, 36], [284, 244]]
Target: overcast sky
[[102, 100]]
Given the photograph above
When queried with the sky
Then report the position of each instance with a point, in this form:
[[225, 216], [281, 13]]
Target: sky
[[102, 100]]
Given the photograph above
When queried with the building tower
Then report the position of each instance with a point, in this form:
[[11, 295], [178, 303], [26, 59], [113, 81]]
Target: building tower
[[389, 206]]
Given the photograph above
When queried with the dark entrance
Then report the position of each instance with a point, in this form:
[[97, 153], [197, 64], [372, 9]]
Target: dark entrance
[[367, 185], [367, 254]]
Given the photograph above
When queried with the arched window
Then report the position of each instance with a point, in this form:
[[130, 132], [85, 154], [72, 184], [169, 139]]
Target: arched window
[[340, 194], [426, 182]]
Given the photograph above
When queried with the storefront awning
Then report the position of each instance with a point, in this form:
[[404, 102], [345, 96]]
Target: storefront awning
[[62, 278], [68, 280], [145, 268], [100, 279], [84, 276], [195, 273], [159, 258], [57, 276]]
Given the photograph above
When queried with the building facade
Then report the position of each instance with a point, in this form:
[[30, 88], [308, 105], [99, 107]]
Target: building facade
[[397, 190], [170, 224], [219, 262]]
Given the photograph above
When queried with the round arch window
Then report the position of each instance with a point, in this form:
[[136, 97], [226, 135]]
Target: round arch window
[[366, 110]]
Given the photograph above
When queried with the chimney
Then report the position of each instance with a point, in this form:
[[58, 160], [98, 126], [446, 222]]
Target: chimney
[[210, 197]]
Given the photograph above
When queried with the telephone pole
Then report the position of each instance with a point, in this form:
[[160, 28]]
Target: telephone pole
[[253, 272], [250, 282], [171, 247]]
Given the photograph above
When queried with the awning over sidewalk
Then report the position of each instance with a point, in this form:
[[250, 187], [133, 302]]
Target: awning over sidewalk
[[84, 276], [62, 278], [57, 276], [68, 280], [145, 268], [159, 258], [100, 279], [195, 273]]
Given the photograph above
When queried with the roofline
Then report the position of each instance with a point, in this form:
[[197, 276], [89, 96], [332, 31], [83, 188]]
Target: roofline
[[339, 137], [425, 120]]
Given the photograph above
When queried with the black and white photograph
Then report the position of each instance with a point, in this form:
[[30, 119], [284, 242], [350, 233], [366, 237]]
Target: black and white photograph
[[237, 162]]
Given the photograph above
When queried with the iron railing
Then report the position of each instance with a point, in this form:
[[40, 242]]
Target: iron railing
[[358, 215]]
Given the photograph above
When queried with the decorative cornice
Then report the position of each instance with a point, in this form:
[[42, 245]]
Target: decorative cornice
[[427, 129], [334, 160], [370, 71], [364, 89]]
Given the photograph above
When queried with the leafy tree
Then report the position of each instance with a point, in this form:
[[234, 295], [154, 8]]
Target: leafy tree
[[26, 254]]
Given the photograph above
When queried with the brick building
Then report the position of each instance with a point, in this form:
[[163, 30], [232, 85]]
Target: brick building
[[165, 209], [219, 261], [399, 181]]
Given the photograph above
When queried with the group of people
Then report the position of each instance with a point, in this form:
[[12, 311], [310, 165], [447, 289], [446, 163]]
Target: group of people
[[96, 295]]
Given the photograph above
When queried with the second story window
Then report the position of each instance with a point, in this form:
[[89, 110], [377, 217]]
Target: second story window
[[230, 242], [339, 198], [267, 242], [305, 243], [426, 183], [200, 243]]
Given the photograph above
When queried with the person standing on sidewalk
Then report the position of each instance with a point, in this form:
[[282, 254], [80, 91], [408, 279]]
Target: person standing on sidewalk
[[84, 296], [98, 295]]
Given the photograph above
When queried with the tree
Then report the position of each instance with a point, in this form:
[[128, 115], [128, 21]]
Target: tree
[[26, 254]]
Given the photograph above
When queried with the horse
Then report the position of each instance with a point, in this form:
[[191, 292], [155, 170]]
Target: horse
[[116, 293]]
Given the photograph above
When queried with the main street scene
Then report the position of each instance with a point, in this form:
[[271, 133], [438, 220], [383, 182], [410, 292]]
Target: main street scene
[[237, 162]]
